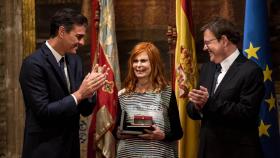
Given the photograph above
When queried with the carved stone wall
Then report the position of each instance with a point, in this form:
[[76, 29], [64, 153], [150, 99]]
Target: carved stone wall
[[203, 11], [274, 30], [58, 1], [138, 21]]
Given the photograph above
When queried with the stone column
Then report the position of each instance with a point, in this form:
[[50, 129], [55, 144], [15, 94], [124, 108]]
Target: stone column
[[3, 109], [11, 56]]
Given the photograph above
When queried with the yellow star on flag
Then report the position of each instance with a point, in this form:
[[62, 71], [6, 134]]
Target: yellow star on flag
[[252, 51], [267, 74], [271, 101], [263, 129]]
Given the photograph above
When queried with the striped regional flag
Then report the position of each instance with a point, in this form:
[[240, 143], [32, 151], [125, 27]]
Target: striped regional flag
[[186, 77], [101, 142]]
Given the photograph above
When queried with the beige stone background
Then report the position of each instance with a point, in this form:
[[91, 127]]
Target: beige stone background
[[24, 26]]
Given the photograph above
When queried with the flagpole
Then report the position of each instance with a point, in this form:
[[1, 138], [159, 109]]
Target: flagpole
[[96, 23]]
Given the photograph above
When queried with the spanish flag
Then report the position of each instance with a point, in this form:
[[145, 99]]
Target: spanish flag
[[186, 75], [101, 143]]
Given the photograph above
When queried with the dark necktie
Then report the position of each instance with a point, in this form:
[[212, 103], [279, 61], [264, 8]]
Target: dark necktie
[[217, 72], [61, 65]]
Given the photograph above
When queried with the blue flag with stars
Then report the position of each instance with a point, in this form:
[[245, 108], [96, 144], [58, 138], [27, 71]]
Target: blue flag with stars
[[255, 47]]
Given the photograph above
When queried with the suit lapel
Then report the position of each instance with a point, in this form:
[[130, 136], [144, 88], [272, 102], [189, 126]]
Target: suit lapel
[[70, 69], [210, 77], [51, 59], [234, 68]]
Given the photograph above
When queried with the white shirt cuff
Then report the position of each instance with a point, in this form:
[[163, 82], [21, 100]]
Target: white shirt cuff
[[76, 101]]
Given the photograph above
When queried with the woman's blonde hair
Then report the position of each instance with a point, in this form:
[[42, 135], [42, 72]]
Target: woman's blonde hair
[[157, 74]]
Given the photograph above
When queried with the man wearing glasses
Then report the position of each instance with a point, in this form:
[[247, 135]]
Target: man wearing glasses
[[228, 98]]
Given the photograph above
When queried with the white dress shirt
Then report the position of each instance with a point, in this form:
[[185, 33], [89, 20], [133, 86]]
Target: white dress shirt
[[57, 58], [225, 64]]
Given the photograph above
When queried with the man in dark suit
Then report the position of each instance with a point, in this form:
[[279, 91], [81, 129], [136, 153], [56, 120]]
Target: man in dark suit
[[228, 106], [55, 91]]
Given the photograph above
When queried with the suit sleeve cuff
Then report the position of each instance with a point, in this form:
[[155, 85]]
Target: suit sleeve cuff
[[76, 101]]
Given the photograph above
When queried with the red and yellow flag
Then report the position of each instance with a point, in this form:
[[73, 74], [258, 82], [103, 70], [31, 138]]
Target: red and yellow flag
[[101, 142], [186, 77]]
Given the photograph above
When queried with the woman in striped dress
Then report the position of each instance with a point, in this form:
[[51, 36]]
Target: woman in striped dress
[[147, 93]]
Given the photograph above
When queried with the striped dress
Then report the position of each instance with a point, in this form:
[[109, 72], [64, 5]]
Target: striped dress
[[151, 104]]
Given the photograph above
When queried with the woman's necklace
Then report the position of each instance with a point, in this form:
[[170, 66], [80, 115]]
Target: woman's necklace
[[144, 87]]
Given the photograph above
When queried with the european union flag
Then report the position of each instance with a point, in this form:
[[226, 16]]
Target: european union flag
[[255, 47]]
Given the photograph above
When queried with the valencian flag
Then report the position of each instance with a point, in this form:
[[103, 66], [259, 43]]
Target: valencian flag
[[255, 47], [101, 142], [186, 77]]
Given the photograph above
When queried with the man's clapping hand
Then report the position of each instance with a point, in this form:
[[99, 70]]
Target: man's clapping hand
[[92, 82]]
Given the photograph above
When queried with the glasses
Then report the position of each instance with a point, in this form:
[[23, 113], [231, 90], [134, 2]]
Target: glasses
[[209, 41]]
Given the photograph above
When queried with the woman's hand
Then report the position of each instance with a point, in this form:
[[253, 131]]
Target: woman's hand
[[156, 134]]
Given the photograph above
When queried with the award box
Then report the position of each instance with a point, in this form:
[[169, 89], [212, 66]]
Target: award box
[[140, 122]]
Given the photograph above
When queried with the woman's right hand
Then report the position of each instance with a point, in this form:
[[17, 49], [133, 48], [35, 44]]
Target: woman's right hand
[[155, 134]]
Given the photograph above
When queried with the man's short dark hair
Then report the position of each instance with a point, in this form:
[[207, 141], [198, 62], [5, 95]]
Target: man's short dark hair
[[66, 17], [220, 26]]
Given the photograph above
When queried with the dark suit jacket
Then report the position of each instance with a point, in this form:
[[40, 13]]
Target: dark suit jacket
[[229, 118], [52, 116]]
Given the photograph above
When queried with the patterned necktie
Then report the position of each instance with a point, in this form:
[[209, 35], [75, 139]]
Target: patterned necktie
[[217, 73]]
